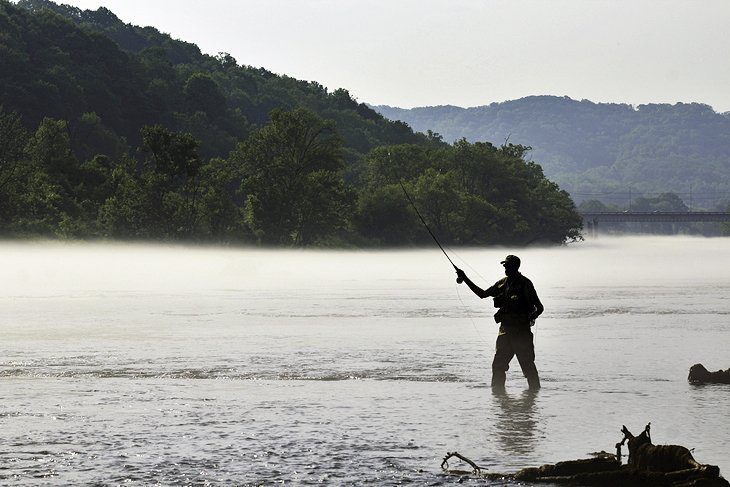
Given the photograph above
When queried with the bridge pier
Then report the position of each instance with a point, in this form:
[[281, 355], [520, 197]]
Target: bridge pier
[[592, 227]]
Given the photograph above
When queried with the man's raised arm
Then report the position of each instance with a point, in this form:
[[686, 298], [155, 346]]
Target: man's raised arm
[[482, 293]]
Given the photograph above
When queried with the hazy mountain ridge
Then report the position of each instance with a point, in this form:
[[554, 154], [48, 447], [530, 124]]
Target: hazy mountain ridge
[[589, 147]]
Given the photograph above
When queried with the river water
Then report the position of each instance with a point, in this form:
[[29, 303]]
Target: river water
[[194, 366]]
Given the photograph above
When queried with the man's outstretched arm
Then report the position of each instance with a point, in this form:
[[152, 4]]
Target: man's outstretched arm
[[482, 293]]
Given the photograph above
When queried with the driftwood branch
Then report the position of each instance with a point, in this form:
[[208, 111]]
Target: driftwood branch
[[451, 454]]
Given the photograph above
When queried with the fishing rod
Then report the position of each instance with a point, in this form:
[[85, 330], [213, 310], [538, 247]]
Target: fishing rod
[[410, 200], [459, 280]]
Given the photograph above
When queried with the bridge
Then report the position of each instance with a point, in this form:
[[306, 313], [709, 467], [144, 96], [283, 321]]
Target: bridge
[[591, 218]]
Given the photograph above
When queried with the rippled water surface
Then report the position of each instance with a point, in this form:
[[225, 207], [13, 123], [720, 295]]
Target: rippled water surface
[[175, 366]]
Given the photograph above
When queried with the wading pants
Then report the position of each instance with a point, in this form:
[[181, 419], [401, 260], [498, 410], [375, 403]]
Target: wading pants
[[518, 343]]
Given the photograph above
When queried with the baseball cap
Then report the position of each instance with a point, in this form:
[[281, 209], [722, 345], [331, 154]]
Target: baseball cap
[[511, 260]]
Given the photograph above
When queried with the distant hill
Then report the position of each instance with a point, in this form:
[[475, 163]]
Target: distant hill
[[600, 150]]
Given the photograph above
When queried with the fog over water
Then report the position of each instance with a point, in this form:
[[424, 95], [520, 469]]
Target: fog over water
[[172, 364], [90, 267]]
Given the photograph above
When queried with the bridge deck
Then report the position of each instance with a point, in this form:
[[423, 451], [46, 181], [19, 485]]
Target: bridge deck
[[656, 216]]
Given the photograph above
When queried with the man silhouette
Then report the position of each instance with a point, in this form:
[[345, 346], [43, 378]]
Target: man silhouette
[[519, 306]]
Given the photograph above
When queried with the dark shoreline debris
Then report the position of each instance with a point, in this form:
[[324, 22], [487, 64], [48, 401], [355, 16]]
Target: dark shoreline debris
[[698, 374], [648, 465]]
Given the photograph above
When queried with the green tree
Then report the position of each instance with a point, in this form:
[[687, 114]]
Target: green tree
[[384, 216], [14, 164], [162, 199], [203, 94], [13, 141], [50, 150], [393, 164], [660, 202], [128, 212], [37, 195], [467, 193], [439, 200], [291, 179], [90, 137], [593, 206], [220, 217]]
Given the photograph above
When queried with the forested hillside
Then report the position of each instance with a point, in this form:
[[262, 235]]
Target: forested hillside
[[601, 150], [131, 76], [109, 130]]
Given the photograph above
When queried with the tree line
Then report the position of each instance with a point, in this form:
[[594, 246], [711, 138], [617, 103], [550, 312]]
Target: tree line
[[285, 185]]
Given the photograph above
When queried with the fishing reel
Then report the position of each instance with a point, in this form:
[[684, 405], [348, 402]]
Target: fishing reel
[[459, 273]]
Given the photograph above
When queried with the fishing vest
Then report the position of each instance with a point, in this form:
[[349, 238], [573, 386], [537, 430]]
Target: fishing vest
[[513, 302]]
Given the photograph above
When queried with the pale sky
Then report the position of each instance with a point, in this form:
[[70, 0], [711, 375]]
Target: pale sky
[[466, 52]]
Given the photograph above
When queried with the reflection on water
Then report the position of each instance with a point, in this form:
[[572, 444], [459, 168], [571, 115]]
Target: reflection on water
[[516, 421]]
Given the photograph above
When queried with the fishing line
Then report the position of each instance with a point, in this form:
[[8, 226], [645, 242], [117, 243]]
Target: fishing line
[[467, 310], [468, 314], [458, 280], [465, 263]]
